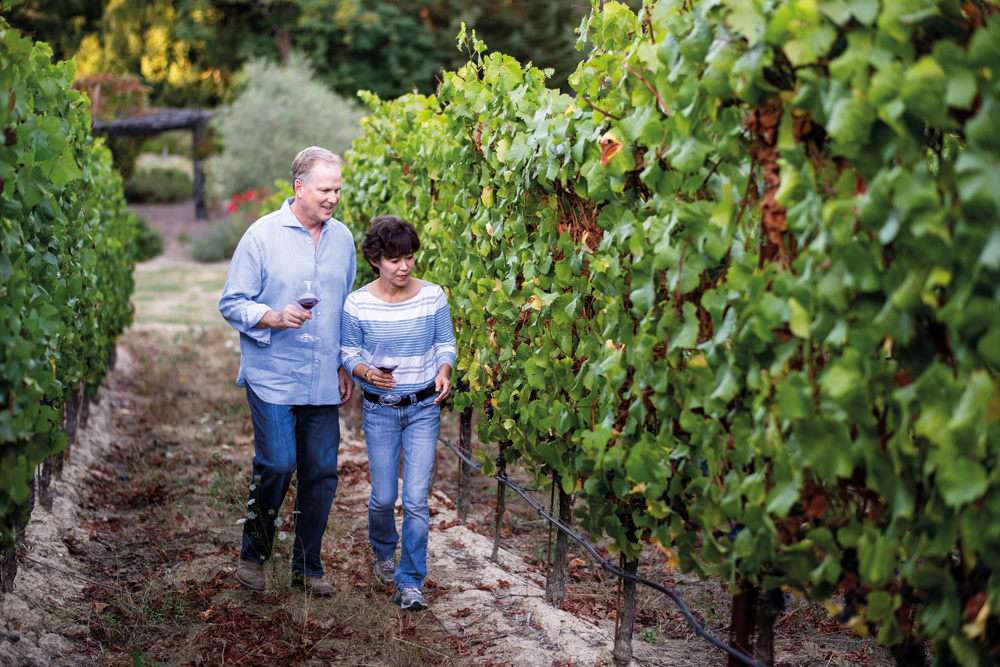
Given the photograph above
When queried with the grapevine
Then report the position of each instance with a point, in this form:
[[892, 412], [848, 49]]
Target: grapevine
[[739, 292], [66, 259]]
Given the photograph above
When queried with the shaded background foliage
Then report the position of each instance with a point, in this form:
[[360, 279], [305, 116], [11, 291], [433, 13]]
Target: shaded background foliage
[[188, 51], [194, 52]]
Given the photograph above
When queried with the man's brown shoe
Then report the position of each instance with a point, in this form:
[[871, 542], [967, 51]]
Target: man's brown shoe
[[314, 586], [250, 574]]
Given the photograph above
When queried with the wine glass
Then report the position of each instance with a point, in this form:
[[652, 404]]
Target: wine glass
[[307, 299], [386, 358]]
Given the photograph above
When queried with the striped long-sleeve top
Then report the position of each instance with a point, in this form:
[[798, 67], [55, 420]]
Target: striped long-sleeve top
[[420, 327]]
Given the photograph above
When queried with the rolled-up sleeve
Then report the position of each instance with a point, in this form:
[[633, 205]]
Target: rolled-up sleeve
[[243, 286]]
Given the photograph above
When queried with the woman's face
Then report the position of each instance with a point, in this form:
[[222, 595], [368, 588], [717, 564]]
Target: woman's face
[[397, 270]]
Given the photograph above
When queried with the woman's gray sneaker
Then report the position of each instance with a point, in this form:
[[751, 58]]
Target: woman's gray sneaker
[[384, 570], [410, 599]]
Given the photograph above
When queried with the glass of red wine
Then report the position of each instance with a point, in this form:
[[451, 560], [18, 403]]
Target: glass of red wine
[[386, 358], [307, 299]]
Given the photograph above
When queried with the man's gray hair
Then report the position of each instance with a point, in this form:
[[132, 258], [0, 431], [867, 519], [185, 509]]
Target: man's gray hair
[[302, 165]]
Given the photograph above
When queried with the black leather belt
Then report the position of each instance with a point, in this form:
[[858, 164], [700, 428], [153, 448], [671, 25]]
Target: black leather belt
[[407, 399]]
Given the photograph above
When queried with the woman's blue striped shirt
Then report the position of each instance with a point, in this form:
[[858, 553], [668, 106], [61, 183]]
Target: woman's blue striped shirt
[[420, 327]]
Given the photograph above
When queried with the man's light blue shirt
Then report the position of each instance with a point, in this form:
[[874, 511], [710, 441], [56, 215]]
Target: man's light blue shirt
[[272, 259]]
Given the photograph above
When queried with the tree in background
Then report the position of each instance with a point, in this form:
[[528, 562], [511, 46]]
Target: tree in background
[[222, 35], [278, 112], [390, 47], [61, 23], [187, 51], [137, 37]]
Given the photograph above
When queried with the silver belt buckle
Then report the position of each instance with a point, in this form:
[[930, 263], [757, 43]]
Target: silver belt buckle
[[391, 402]]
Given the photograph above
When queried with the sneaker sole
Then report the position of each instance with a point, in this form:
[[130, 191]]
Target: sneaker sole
[[413, 606]]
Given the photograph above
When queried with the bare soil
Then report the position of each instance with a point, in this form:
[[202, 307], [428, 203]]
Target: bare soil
[[134, 564]]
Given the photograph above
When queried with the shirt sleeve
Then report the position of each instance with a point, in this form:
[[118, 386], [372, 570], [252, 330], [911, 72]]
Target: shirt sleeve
[[444, 333], [244, 282], [351, 336], [352, 270]]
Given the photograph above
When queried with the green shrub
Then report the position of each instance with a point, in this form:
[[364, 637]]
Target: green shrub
[[219, 241], [148, 241], [279, 112], [159, 185]]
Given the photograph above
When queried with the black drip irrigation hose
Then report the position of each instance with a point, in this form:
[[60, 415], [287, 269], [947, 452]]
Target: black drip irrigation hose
[[585, 543]]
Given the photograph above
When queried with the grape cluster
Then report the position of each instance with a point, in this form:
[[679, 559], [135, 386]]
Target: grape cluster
[[735, 528], [488, 409]]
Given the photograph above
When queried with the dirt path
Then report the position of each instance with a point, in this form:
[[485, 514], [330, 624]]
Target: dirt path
[[133, 565]]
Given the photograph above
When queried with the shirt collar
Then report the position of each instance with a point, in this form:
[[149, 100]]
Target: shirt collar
[[288, 218]]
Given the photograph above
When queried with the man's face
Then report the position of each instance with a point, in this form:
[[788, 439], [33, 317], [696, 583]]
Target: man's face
[[317, 199]]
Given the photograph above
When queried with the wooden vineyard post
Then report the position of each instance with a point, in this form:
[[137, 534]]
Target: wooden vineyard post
[[8, 558], [625, 623], [501, 504], [555, 586], [769, 605], [70, 425], [465, 470], [43, 476], [740, 621]]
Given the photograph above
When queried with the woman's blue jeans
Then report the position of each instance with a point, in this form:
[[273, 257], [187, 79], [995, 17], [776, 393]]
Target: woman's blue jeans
[[290, 438], [413, 431]]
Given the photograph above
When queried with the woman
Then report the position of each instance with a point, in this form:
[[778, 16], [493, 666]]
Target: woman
[[413, 314]]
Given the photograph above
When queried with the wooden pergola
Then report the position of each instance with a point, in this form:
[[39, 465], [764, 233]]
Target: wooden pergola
[[163, 120]]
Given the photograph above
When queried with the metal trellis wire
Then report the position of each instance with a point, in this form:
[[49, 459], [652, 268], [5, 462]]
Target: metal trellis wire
[[585, 543]]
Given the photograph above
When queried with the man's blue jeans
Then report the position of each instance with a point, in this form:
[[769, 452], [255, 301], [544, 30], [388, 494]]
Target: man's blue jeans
[[289, 438], [412, 430]]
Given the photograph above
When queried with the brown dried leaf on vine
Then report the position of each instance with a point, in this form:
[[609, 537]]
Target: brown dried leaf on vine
[[763, 123], [802, 124], [764, 120], [814, 500], [610, 145]]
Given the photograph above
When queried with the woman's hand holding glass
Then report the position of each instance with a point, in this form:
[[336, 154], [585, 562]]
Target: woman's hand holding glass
[[380, 379], [386, 359]]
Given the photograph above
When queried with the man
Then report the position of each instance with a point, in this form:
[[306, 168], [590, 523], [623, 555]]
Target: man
[[294, 387]]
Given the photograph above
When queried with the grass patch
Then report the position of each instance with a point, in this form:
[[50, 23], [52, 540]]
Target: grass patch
[[187, 296]]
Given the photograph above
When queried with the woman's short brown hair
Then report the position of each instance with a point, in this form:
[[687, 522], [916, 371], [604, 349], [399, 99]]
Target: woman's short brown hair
[[389, 236]]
